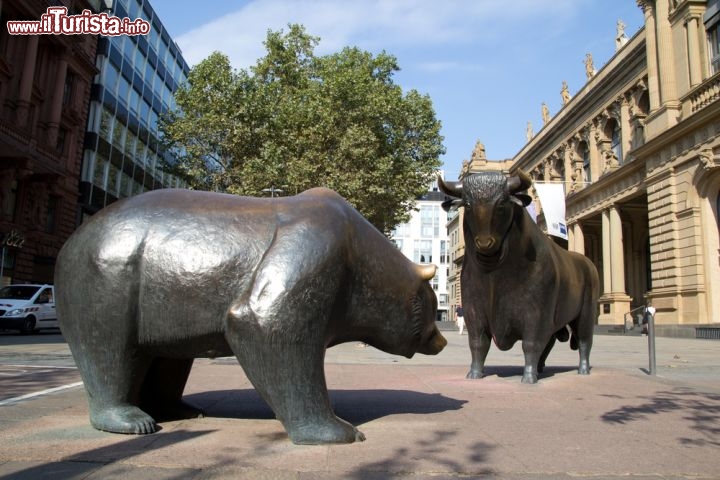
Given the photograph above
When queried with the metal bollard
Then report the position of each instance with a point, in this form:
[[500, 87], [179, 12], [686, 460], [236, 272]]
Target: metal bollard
[[650, 316]]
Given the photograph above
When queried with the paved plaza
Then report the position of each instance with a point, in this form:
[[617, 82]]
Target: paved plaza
[[421, 417]]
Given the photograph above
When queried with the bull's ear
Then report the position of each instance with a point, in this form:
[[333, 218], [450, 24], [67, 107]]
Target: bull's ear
[[426, 270], [454, 189], [521, 199], [452, 204]]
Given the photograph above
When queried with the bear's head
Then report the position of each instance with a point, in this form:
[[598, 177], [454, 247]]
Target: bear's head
[[406, 315]]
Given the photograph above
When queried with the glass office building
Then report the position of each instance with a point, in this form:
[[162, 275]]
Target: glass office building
[[135, 84]]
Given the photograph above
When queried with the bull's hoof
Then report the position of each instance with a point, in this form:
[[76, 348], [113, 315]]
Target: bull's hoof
[[475, 375], [334, 432], [123, 419], [529, 378], [584, 370]]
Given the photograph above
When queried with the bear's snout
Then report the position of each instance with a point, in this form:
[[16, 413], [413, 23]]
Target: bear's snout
[[434, 344]]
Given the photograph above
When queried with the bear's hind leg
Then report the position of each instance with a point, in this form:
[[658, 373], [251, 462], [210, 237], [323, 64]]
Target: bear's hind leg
[[161, 393]]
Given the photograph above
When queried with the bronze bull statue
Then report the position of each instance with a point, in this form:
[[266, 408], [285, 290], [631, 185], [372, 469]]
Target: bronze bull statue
[[154, 281], [517, 284]]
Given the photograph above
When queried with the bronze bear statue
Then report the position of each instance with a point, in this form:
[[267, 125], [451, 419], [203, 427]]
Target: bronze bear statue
[[156, 280]]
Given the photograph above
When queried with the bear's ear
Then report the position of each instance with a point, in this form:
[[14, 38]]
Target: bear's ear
[[426, 270]]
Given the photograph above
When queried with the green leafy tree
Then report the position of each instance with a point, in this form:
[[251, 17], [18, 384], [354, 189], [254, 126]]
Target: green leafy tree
[[296, 120]]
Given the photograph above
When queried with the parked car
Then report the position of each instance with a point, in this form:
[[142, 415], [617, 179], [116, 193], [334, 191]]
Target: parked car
[[27, 308]]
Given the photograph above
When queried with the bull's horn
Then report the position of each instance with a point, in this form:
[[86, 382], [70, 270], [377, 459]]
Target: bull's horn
[[519, 182], [454, 189], [426, 270]]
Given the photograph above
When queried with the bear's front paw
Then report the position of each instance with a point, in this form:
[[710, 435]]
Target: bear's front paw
[[334, 431], [123, 419]]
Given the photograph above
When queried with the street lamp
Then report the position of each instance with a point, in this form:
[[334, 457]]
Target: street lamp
[[272, 191]]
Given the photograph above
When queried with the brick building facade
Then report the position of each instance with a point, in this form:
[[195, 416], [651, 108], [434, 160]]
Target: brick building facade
[[44, 94]]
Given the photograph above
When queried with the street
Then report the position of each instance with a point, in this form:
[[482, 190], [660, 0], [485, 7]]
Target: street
[[421, 417], [32, 364]]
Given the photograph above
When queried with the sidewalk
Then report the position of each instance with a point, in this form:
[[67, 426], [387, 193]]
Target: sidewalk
[[421, 417]]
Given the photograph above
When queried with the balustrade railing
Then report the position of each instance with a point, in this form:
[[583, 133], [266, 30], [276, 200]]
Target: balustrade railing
[[704, 94]]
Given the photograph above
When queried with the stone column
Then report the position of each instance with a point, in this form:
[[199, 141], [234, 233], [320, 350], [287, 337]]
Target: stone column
[[626, 130], [57, 102], [668, 87], [694, 61], [616, 252], [567, 165], [614, 302], [651, 50], [579, 237], [26, 81], [595, 163], [606, 253]]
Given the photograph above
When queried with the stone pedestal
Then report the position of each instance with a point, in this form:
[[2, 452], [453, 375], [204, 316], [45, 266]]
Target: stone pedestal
[[613, 307]]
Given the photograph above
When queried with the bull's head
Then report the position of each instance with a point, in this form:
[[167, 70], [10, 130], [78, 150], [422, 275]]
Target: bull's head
[[491, 201]]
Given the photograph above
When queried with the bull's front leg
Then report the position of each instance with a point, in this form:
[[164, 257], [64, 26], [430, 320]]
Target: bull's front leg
[[532, 349], [479, 342]]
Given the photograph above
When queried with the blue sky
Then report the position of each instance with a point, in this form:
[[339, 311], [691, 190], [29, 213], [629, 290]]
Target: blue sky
[[488, 65]]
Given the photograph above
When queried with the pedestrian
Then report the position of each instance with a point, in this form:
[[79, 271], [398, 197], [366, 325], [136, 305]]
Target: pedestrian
[[460, 319]]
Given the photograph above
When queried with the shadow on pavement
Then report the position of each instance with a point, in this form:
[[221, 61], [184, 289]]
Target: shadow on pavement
[[355, 406], [84, 464], [702, 410], [362, 406], [517, 371], [403, 459]]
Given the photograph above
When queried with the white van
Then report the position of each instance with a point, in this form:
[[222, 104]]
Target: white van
[[27, 308]]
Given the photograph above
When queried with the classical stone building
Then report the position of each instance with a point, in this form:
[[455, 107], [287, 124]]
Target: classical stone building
[[44, 89], [638, 150]]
